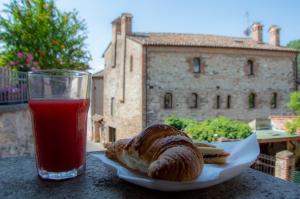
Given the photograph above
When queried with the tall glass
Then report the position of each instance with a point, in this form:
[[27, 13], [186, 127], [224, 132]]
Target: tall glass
[[59, 103]]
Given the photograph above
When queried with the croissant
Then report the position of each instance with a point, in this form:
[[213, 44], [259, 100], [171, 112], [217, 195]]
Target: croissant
[[161, 152]]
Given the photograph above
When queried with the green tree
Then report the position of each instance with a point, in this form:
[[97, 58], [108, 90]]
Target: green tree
[[296, 45], [294, 104], [35, 34]]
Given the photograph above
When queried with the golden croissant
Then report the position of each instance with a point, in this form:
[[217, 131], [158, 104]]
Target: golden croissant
[[161, 152]]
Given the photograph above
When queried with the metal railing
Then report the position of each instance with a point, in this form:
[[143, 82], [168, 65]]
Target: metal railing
[[13, 87], [265, 163], [295, 177]]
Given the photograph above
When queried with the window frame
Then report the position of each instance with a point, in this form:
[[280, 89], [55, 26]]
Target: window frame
[[112, 134], [274, 100], [218, 102], [228, 103], [194, 100], [198, 60], [250, 65], [112, 106], [252, 101], [168, 97]]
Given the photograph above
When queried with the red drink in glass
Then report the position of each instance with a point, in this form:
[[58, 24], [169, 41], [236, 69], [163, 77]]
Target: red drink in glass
[[59, 104], [59, 128]]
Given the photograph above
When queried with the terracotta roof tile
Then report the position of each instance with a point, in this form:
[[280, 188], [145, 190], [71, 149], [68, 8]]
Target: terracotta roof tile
[[201, 40]]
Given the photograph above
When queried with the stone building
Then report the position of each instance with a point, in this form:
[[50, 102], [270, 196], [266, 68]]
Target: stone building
[[149, 76], [96, 106], [97, 93]]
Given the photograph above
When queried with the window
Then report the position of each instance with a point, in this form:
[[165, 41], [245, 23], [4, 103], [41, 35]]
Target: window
[[218, 102], [111, 134], [131, 63], [228, 105], [250, 67], [251, 100], [197, 65], [168, 100], [274, 100], [194, 100], [112, 106]]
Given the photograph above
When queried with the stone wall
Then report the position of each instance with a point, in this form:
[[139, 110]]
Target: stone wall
[[169, 69], [16, 137], [127, 92], [15, 132]]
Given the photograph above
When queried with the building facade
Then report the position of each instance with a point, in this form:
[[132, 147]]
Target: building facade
[[149, 76]]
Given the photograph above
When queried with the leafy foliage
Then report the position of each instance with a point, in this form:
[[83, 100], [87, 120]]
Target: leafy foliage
[[24, 62], [294, 44], [293, 126], [179, 122], [37, 28], [294, 104], [211, 129]]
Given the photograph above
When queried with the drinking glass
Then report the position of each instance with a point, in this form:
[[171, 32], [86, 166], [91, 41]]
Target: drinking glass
[[59, 103]]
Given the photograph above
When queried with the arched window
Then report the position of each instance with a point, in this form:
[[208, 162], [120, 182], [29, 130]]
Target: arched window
[[168, 100], [251, 100], [228, 101], [218, 102], [274, 100], [194, 100], [250, 67], [197, 65]]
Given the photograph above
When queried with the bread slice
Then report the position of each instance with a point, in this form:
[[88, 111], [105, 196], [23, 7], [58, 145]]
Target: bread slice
[[214, 155], [201, 144]]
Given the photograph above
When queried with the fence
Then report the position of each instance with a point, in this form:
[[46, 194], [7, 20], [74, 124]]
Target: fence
[[13, 87], [265, 163], [277, 167], [295, 177]]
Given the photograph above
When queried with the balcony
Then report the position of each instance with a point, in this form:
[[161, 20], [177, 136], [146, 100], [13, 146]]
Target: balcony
[[13, 87]]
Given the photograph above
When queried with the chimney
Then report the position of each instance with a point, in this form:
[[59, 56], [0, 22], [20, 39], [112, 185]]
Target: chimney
[[126, 24], [257, 30], [274, 35], [116, 28]]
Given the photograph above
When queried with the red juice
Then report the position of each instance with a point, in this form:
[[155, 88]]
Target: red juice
[[59, 128]]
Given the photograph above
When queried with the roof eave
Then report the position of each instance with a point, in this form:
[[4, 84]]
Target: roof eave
[[232, 47], [136, 40], [103, 54], [98, 74]]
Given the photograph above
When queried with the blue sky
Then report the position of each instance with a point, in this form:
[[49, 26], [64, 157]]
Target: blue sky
[[220, 17]]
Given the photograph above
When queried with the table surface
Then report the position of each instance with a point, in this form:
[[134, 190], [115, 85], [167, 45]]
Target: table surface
[[18, 179]]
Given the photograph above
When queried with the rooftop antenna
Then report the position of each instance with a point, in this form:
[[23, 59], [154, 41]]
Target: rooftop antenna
[[247, 31]]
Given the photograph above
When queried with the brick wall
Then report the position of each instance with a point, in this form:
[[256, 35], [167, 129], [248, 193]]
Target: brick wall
[[16, 132], [279, 121]]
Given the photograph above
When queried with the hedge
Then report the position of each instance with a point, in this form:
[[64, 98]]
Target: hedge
[[210, 129]]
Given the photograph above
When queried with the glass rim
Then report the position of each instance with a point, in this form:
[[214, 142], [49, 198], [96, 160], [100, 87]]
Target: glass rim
[[67, 73]]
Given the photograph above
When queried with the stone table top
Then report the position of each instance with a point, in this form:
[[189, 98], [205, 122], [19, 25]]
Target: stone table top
[[18, 179]]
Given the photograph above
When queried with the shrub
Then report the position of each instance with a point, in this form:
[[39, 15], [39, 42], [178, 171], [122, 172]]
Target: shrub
[[293, 126], [294, 104], [178, 122], [211, 129]]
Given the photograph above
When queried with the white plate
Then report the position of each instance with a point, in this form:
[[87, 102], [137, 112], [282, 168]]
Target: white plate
[[243, 154]]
